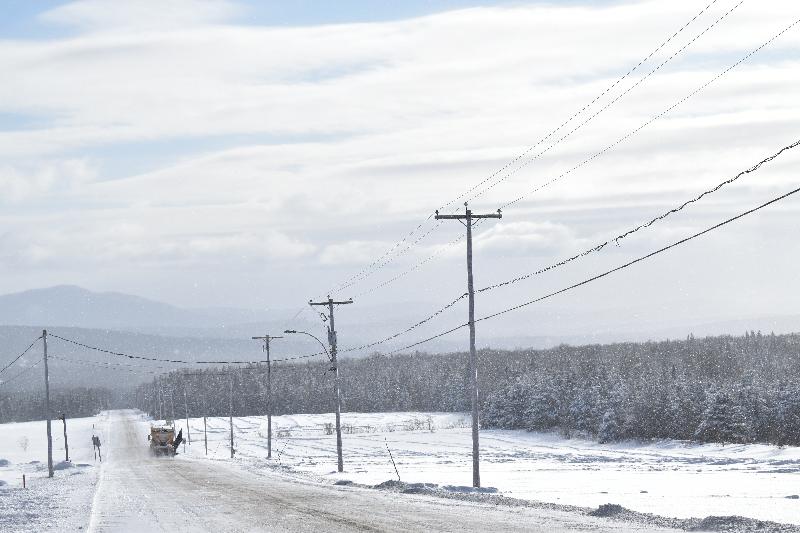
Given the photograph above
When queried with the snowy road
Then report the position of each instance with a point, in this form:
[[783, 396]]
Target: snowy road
[[141, 493]]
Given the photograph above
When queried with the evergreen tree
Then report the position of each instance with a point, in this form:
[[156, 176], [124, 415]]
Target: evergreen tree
[[723, 421], [610, 427]]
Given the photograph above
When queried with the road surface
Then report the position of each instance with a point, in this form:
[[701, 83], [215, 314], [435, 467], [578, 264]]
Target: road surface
[[137, 493]]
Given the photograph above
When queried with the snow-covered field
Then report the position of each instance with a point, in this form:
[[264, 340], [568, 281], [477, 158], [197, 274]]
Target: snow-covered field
[[672, 479], [60, 504], [668, 478]]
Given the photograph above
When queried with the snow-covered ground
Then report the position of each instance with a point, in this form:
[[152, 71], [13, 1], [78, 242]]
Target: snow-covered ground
[[60, 504], [668, 478]]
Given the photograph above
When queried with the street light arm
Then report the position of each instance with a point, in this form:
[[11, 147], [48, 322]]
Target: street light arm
[[289, 331]]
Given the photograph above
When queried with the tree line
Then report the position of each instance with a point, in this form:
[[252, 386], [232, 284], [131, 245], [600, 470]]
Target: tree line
[[75, 402], [714, 389]]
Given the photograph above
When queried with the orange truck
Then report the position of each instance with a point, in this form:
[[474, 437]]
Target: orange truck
[[162, 440]]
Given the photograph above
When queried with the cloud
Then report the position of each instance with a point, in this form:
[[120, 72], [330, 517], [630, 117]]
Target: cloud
[[527, 239], [20, 183]]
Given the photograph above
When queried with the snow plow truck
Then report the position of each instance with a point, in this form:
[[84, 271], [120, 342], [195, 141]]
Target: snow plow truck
[[163, 441]]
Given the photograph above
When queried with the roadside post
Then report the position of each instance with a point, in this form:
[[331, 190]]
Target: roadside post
[[66, 443]]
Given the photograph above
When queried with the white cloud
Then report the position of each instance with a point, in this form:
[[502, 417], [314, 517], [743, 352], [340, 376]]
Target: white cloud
[[527, 239], [19, 183]]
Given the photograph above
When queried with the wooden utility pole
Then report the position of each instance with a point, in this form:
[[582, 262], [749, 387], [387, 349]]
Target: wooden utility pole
[[266, 339], [467, 219], [186, 410], [332, 341], [172, 404], [231, 414], [205, 433], [47, 409], [160, 401], [66, 443]]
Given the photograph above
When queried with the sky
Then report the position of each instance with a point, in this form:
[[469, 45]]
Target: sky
[[259, 154]]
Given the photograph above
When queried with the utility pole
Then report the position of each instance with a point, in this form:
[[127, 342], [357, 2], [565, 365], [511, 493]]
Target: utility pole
[[172, 404], [186, 410], [47, 409], [231, 414], [266, 339], [160, 401], [467, 219], [205, 414], [66, 443], [332, 341]]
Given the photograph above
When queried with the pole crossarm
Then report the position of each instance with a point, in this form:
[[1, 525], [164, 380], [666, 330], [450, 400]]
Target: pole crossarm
[[266, 338], [469, 214], [330, 301]]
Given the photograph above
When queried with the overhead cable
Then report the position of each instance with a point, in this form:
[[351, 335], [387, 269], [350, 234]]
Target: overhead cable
[[649, 223], [416, 325], [416, 266], [656, 117], [176, 361], [17, 358], [608, 105], [604, 274], [20, 374], [95, 364], [383, 260], [594, 249]]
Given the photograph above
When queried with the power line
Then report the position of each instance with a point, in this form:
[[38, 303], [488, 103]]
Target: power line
[[107, 363], [376, 262], [298, 357], [656, 117], [20, 374], [299, 312], [176, 361], [17, 358], [390, 260], [649, 223], [382, 261], [642, 258], [145, 358], [432, 337], [606, 273], [594, 249], [416, 325], [95, 364], [609, 104], [416, 266]]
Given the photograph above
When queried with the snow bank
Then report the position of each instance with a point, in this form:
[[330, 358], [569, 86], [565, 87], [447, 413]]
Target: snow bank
[[59, 504]]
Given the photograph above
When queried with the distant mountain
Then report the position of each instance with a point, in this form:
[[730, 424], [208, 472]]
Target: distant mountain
[[72, 306]]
